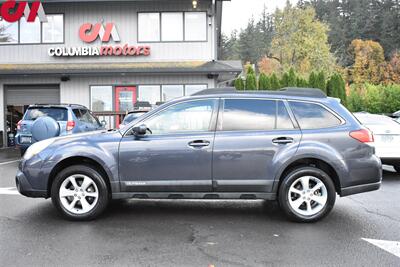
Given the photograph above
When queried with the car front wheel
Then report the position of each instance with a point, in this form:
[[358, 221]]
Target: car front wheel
[[307, 194], [80, 193], [397, 168]]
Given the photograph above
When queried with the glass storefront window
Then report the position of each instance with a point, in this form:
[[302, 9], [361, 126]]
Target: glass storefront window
[[8, 32], [29, 31], [150, 93], [194, 88], [195, 26], [149, 27], [170, 92], [101, 98], [53, 29], [125, 100], [172, 26]]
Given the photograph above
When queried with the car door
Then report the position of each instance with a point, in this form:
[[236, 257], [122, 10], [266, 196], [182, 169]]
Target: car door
[[176, 153], [253, 138]]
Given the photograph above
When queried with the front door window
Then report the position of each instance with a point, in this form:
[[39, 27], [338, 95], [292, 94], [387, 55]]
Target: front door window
[[192, 116]]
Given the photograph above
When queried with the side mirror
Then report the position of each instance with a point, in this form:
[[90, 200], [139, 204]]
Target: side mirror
[[139, 130], [103, 123]]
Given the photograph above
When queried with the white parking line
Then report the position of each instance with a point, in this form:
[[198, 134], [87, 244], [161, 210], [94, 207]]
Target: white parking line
[[8, 162], [9, 191], [393, 247]]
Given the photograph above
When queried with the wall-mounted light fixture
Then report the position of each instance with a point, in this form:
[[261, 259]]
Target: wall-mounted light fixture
[[194, 4]]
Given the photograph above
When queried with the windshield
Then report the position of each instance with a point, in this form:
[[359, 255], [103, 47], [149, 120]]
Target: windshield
[[58, 114]]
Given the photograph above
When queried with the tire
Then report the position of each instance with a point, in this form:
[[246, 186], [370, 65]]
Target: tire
[[83, 202], [308, 210], [22, 151], [397, 168]]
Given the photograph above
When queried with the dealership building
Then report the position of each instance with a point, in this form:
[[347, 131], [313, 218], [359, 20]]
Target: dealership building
[[107, 55]]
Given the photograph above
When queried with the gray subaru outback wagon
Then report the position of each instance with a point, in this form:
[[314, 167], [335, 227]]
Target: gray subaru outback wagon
[[296, 146]]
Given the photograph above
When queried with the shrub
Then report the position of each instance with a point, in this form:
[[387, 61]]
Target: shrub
[[239, 84], [301, 82], [264, 82], [312, 80], [291, 78], [275, 85], [251, 82], [320, 81], [355, 101]]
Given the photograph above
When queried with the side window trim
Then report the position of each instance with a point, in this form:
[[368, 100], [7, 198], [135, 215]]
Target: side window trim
[[296, 124], [336, 115]]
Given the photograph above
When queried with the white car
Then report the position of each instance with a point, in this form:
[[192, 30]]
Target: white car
[[386, 133]]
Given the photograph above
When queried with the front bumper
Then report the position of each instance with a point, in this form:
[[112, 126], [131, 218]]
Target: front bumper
[[25, 187], [352, 190]]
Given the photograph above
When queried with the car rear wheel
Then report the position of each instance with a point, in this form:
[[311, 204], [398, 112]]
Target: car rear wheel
[[79, 193], [307, 194]]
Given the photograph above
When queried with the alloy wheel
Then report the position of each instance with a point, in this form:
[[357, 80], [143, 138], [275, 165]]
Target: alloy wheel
[[307, 195], [78, 194]]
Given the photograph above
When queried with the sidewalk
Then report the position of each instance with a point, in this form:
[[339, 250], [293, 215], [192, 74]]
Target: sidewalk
[[9, 154]]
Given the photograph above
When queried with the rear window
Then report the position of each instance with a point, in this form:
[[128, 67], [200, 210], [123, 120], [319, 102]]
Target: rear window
[[59, 114], [313, 116]]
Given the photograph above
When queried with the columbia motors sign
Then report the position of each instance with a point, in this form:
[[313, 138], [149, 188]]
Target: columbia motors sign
[[12, 11], [89, 33]]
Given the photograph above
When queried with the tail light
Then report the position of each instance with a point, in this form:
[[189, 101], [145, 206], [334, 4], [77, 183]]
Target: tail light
[[70, 125], [19, 125], [363, 135]]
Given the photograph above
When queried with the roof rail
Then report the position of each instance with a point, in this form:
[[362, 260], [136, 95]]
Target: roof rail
[[288, 91], [227, 90], [58, 104]]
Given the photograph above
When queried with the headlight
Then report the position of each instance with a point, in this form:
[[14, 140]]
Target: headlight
[[36, 148]]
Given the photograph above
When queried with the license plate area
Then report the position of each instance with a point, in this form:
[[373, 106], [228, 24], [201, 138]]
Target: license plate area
[[389, 138], [26, 139]]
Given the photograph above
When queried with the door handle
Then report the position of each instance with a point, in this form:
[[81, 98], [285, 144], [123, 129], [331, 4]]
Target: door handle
[[282, 140], [199, 143]]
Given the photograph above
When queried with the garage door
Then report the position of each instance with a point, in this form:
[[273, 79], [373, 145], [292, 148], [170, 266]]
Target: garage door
[[21, 95]]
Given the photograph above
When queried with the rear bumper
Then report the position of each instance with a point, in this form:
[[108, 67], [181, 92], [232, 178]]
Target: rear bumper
[[352, 190], [25, 188]]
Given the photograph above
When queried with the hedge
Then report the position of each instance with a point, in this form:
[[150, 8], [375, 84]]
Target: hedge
[[383, 99]]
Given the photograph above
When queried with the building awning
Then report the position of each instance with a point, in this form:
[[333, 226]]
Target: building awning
[[184, 67]]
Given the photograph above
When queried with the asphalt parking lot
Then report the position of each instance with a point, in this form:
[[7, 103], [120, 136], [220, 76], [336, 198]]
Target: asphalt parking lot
[[200, 233]]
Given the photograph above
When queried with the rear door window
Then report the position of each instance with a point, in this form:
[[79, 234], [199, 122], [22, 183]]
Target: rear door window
[[313, 116], [88, 117], [58, 114], [77, 114], [254, 115]]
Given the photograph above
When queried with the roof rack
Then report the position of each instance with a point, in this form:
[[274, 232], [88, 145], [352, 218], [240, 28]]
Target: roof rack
[[287, 91]]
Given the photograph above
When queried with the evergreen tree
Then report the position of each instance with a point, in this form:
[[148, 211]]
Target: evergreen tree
[[239, 84], [320, 82], [264, 82], [342, 89], [312, 80], [285, 80], [251, 81], [292, 78], [275, 85], [301, 82]]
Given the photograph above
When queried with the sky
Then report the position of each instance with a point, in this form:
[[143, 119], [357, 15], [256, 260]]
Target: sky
[[237, 13]]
